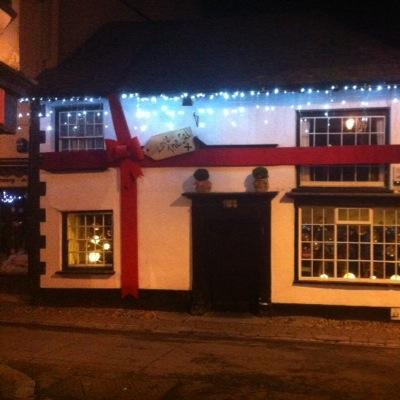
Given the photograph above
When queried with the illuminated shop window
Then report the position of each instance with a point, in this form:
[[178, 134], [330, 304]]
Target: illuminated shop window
[[88, 239], [343, 128], [80, 129], [349, 244]]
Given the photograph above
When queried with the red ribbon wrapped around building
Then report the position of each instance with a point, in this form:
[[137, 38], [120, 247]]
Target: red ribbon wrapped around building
[[126, 153]]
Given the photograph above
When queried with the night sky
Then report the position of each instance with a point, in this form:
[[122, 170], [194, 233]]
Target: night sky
[[380, 19]]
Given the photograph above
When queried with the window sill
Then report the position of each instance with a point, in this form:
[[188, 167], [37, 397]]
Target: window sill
[[346, 283], [85, 271]]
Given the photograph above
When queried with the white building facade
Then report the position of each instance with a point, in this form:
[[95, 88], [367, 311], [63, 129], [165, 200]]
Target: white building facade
[[333, 230]]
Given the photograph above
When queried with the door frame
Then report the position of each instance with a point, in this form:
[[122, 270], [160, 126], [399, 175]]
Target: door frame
[[205, 204]]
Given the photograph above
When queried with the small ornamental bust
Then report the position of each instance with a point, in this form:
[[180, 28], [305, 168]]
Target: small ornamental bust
[[202, 184], [260, 175]]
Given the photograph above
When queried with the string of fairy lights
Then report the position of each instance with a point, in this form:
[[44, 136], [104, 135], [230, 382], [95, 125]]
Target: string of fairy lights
[[228, 104], [226, 95], [9, 198]]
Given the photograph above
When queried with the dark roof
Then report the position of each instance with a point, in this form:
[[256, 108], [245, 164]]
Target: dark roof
[[14, 81], [208, 55]]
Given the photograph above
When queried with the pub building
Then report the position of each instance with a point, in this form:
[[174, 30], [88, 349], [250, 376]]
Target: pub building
[[133, 125]]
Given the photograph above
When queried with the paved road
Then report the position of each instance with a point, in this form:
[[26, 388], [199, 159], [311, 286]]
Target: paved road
[[70, 364]]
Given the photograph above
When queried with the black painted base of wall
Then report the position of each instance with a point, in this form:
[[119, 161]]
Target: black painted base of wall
[[17, 284], [162, 300], [332, 312], [180, 300]]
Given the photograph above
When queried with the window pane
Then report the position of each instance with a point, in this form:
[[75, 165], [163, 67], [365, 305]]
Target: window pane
[[306, 215], [378, 270], [341, 269], [342, 233], [363, 174], [329, 233], [362, 139], [335, 125], [389, 270], [318, 215], [329, 251], [321, 140], [317, 232], [365, 252], [329, 268], [377, 124], [321, 173], [306, 233], [378, 216], [342, 251], [365, 270], [306, 250], [390, 216], [317, 268], [348, 174], [321, 125], [349, 140], [306, 268], [335, 140]]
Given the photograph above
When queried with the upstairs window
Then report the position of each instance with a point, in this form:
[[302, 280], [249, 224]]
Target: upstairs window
[[343, 128], [80, 129]]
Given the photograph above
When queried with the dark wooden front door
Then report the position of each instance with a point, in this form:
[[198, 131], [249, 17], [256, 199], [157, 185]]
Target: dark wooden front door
[[230, 233], [234, 258]]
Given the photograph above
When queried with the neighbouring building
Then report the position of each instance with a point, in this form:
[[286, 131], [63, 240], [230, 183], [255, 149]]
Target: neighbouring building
[[14, 143], [316, 104]]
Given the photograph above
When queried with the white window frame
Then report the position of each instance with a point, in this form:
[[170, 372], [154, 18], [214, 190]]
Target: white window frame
[[336, 223], [81, 140], [343, 114]]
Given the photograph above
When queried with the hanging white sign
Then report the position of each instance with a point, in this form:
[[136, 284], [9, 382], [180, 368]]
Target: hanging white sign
[[170, 144]]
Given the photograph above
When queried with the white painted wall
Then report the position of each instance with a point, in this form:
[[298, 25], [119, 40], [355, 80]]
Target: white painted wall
[[164, 215], [77, 192]]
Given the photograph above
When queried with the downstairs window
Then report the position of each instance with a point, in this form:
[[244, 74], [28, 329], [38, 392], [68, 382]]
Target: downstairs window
[[88, 240], [349, 244]]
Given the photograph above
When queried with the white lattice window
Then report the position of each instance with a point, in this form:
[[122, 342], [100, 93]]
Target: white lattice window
[[349, 244], [80, 129], [343, 128], [88, 239]]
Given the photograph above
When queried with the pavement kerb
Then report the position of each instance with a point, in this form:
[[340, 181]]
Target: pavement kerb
[[200, 334]]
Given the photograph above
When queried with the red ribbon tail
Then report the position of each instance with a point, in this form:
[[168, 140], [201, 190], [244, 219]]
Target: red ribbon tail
[[129, 289]]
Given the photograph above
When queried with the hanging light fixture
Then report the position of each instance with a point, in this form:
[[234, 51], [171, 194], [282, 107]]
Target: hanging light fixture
[[350, 122]]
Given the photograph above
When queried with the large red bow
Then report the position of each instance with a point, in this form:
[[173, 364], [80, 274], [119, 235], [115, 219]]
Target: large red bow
[[126, 156]]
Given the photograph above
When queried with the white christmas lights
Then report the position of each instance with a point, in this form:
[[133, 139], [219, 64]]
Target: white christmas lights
[[7, 198]]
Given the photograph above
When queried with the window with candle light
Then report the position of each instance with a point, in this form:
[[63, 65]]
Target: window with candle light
[[88, 240], [353, 127]]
